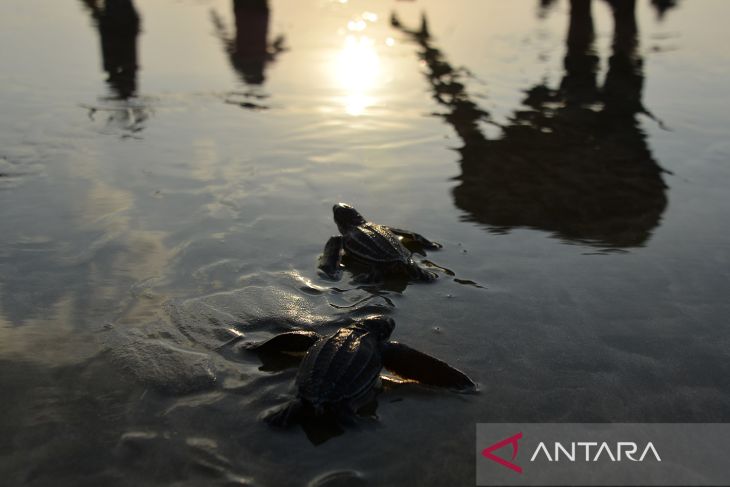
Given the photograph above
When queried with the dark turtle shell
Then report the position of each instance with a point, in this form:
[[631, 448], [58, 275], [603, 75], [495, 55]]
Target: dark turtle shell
[[375, 243], [340, 368]]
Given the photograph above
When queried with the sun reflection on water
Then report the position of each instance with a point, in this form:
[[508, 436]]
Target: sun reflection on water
[[357, 67]]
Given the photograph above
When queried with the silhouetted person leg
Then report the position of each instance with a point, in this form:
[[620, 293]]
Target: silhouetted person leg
[[624, 83], [118, 26], [662, 6], [581, 62], [251, 45], [249, 50]]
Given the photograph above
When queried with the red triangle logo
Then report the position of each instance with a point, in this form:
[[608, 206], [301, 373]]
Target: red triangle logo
[[512, 440]]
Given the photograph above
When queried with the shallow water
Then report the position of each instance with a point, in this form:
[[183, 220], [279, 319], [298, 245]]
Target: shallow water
[[166, 177]]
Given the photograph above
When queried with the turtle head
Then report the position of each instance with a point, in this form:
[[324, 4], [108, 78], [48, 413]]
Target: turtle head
[[346, 216], [380, 326]]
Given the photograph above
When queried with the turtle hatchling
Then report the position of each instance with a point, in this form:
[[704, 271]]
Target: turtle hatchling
[[377, 246], [340, 373]]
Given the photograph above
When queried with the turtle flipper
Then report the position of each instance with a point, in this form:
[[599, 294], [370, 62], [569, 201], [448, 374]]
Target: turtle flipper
[[329, 261], [417, 238], [286, 415], [412, 364], [418, 273], [292, 341]]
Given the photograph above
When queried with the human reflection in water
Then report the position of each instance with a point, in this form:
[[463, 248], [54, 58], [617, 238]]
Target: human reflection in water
[[575, 161], [249, 51], [661, 7], [118, 24], [544, 7]]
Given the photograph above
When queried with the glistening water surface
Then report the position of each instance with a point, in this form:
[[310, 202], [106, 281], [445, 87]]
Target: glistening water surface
[[167, 172]]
